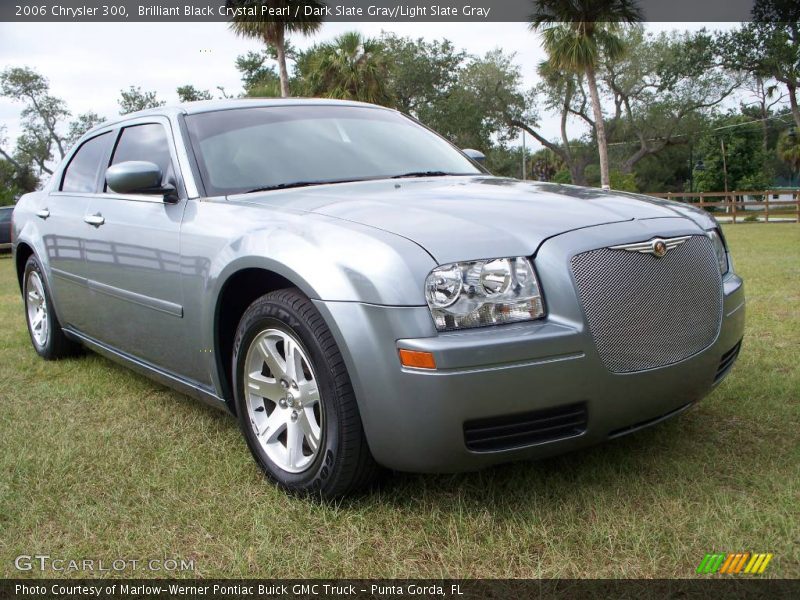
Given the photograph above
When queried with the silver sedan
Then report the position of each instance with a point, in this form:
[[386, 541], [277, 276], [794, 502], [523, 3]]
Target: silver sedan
[[362, 294]]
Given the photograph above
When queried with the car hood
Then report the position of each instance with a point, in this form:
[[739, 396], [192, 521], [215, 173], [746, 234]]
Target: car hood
[[464, 218]]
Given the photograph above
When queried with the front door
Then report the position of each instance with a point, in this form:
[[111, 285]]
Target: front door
[[133, 256], [63, 228]]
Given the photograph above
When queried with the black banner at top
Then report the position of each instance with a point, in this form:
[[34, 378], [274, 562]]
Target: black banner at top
[[477, 11]]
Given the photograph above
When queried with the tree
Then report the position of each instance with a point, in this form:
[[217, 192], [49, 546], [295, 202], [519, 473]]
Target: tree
[[544, 164], [769, 46], [577, 35], [258, 78], [476, 112], [789, 151], [670, 170], [42, 119], [487, 103], [663, 89], [741, 167], [42, 112], [135, 99], [422, 74], [16, 178], [14, 182], [764, 96], [350, 67], [81, 125], [189, 93], [304, 17], [563, 93]]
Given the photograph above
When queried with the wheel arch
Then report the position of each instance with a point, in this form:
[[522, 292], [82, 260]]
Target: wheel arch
[[22, 253], [239, 289]]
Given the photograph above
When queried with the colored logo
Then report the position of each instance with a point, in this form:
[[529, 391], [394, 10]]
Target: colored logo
[[659, 248], [734, 564]]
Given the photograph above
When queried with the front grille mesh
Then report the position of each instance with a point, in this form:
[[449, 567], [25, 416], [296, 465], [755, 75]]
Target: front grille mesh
[[646, 312]]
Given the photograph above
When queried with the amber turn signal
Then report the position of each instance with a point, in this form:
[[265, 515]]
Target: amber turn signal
[[416, 359]]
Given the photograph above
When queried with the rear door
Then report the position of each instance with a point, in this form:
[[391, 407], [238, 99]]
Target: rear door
[[133, 255], [62, 226]]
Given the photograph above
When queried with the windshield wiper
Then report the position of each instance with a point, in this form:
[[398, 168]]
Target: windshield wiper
[[296, 184], [282, 186], [423, 174]]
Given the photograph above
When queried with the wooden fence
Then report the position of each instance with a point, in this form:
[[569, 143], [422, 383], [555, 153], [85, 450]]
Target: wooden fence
[[743, 205]]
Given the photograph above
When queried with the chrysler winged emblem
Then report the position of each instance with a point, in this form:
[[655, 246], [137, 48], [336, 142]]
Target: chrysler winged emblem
[[658, 247]]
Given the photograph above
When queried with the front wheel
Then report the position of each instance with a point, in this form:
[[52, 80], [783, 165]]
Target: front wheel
[[294, 400]]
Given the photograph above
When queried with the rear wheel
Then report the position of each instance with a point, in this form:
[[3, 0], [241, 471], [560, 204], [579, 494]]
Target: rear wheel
[[47, 337], [295, 403]]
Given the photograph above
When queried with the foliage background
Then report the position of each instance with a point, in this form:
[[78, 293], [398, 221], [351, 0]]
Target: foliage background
[[669, 100]]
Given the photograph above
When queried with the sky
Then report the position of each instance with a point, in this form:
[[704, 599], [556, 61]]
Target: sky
[[88, 64]]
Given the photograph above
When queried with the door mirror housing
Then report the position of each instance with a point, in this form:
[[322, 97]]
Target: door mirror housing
[[476, 155], [139, 177]]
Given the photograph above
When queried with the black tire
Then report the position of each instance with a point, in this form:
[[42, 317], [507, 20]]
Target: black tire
[[56, 345], [343, 464]]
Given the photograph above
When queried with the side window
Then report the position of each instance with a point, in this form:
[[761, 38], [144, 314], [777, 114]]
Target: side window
[[82, 171], [145, 142]]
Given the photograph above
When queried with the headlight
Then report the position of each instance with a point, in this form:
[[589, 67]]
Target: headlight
[[719, 250], [483, 292]]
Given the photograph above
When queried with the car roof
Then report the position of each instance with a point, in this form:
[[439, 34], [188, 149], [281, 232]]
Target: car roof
[[192, 108]]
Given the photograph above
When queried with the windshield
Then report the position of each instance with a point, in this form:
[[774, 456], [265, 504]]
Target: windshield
[[247, 149]]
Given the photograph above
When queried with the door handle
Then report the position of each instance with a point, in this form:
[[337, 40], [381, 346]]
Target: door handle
[[43, 214], [95, 220]]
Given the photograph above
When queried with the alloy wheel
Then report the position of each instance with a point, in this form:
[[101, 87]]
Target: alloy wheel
[[283, 400], [36, 306]]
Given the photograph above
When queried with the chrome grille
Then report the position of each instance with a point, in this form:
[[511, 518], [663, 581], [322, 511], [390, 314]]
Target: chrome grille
[[646, 312]]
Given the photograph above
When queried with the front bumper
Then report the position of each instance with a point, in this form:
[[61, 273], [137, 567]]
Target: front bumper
[[414, 419]]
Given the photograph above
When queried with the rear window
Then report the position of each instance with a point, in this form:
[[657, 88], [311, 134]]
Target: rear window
[[5, 215], [83, 170]]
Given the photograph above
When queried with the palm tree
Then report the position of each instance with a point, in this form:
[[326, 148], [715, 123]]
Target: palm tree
[[272, 30], [789, 151], [577, 35], [350, 67]]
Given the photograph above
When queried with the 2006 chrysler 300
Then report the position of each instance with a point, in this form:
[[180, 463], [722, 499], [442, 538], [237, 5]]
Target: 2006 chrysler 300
[[362, 293]]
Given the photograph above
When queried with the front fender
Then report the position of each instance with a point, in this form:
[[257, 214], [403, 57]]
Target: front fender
[[327, 258]]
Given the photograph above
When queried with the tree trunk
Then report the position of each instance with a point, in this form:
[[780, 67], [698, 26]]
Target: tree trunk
[[793, 103], [577, 172], [280, 50], [11, 160], [48, 125], [599, 127]]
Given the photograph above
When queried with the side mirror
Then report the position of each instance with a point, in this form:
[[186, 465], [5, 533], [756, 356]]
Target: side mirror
[[476, 155], [139, 177]]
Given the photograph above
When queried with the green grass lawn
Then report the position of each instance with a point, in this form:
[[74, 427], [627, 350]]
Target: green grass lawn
[[97, 462]]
